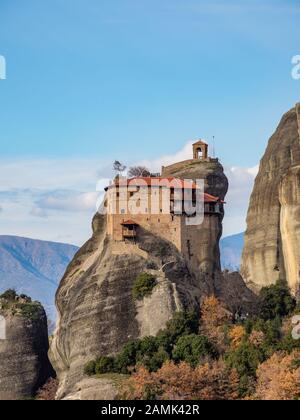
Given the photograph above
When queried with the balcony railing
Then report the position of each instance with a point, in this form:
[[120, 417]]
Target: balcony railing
[[127, 233]]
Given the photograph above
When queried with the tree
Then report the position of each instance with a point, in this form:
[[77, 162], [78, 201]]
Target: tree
[[192, 349], [212, 381], [138, 171], [236, 335], [276, 301], [245, 359], [118, 167], [143, 285], [214, 320], [279, 377]]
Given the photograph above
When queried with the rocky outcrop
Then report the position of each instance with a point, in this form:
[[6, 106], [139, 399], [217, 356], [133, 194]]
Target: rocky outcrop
[[272, 240], [24, 364], [210, 170], [97, 312]]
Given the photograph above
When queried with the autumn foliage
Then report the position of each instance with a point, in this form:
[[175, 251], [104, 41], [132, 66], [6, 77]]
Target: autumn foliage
[[214, 355], [279, 377], [211, 381]]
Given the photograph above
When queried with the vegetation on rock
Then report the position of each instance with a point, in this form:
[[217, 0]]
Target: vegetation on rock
[[143, 286], [276, 301], [20, 305]]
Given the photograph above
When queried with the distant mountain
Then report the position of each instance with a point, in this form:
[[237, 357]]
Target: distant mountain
[[34, 268], [231, 251]]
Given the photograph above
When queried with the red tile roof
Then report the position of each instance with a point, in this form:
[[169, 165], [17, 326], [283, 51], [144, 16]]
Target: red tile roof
[[129, 222], [164, 182]]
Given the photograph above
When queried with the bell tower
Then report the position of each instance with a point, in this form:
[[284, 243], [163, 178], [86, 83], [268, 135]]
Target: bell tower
[[200, 150]]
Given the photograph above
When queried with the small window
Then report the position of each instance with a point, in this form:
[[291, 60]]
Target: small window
[[122, 211]]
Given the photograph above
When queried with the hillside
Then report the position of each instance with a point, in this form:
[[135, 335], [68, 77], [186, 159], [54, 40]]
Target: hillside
[[34, 267]]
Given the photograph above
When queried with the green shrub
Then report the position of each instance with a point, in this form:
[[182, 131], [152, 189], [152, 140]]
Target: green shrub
[[105, 364], [30, 310], [276, 301], [9, 295], [183, 323], [150, 352], [90, 368], [143, 286], [127, 356], [192, 348], [245, 359]]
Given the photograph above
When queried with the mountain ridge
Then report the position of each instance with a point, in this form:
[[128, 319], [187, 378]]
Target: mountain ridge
[[34, 267]]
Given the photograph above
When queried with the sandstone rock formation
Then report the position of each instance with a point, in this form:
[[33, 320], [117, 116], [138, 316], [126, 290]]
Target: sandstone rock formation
[[272, 240], [24, 364], [211, 170], [289, 196], [97, 311]]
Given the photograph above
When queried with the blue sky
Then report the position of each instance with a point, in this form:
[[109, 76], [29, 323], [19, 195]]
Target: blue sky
[[98, 80]]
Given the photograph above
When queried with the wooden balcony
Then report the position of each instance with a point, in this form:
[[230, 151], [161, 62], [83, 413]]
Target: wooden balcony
[[129, 233]]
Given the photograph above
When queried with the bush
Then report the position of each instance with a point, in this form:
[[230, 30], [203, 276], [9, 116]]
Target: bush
[[276, 301], [150, 352], [143, 286], [245, 359], [30, 310], [90, 368], [9, 295], [104, 364], [127, 356], [192, 348]]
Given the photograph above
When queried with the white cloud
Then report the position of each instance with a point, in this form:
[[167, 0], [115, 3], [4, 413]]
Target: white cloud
[[72, 201], [50, 199], [241, 182]]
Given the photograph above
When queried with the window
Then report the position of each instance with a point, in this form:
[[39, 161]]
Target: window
[[122, 211]]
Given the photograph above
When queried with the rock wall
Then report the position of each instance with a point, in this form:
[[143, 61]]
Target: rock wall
[[97, 313], [289, 196], [24, 364], [272, 238]]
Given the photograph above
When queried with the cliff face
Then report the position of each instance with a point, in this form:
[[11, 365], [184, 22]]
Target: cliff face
[[97, 313], [272, 239], [24, 364], [289, 196]]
